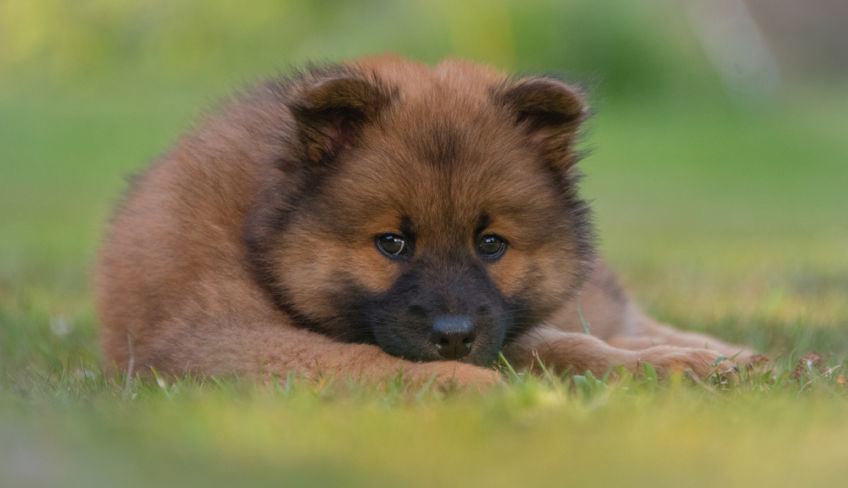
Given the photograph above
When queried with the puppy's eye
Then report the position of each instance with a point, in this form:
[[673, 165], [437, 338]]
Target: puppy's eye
[[392, 245], [491, 246]]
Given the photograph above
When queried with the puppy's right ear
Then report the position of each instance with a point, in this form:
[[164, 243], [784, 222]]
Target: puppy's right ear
[[549, 112], [330, 111]]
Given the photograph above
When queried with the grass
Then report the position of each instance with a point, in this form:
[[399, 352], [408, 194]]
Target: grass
[[724, 219]]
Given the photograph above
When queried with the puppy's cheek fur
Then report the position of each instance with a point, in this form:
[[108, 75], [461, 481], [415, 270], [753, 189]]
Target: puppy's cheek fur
[[508, 271], [314, 270], [544, 277], [375, 273]]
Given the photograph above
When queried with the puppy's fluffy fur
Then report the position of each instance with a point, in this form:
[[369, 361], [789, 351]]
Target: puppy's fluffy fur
[[254, 246]]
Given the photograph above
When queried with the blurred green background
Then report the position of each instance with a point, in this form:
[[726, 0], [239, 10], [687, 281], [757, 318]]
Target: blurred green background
[[717, 173]]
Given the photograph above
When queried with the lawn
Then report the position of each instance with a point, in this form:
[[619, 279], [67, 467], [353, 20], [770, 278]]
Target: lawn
[[723, 219], [720, 216]]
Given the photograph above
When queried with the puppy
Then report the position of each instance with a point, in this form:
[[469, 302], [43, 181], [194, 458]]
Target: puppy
[[375, 218]]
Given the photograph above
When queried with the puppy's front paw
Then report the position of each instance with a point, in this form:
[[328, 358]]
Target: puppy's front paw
[[450, 373], [699, 362], [752, 361]]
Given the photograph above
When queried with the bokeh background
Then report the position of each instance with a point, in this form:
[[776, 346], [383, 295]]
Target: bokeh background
[[717, 169]]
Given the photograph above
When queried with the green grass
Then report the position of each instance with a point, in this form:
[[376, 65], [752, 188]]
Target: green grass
[[720, 218], [536, 432]]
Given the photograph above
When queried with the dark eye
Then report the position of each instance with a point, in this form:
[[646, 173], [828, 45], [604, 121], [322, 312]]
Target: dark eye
[[392, 245], [491, 246]]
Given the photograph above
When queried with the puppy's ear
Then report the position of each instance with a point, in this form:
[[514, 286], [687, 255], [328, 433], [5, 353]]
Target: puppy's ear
[[330, 111], [549, 112]]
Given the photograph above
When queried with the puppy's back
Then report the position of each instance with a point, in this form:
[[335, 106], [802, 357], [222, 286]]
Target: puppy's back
[[181, 221]]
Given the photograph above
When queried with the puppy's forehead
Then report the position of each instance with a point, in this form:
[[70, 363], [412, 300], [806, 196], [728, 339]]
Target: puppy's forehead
[[444, 170]]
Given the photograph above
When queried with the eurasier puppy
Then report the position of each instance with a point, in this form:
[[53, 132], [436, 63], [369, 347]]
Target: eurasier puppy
[[376, 218]]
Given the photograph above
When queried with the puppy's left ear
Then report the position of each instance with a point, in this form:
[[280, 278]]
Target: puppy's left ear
[[549, 112]]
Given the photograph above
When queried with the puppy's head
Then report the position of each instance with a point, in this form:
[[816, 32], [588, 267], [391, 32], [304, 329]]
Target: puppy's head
[[432, 212]]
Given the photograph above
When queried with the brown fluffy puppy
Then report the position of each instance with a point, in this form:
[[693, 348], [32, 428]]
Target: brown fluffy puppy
[[374, 218]]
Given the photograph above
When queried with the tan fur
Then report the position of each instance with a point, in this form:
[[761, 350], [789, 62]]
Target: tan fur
[[175, 291]]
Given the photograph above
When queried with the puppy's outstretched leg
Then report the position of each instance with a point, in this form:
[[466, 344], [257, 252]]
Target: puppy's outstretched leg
[[211, 333], [582, 352], [653, 333], [263, 350]]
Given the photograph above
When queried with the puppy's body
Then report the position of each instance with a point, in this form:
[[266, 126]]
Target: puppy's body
[[265, 241]]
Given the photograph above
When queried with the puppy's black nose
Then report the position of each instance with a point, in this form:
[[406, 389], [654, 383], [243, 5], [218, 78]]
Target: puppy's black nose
[[453, 335]]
